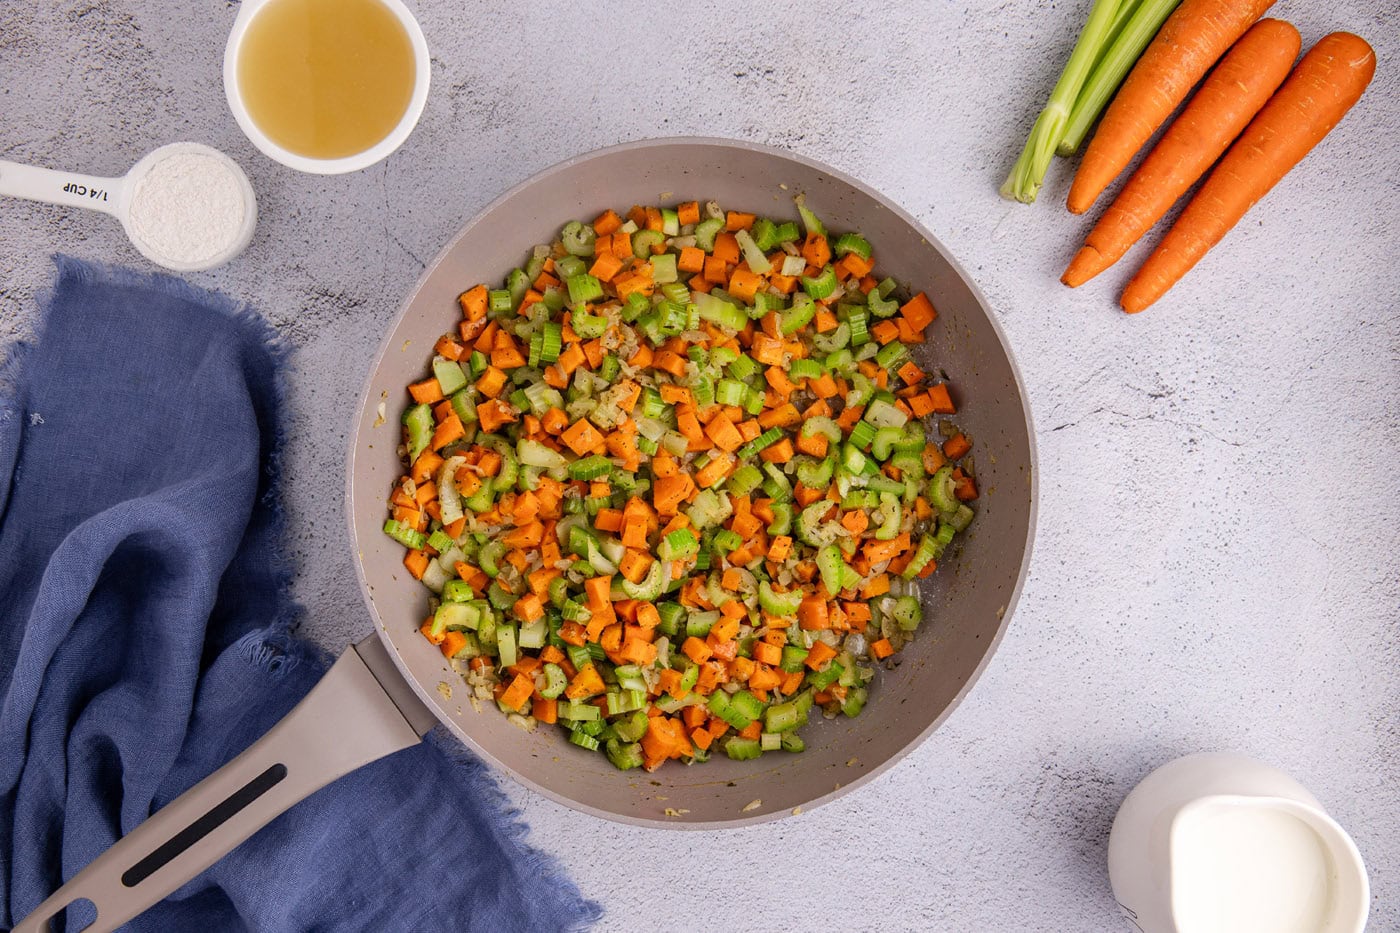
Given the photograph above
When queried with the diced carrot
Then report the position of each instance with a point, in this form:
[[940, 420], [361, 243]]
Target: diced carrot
[[669, 362], [426, 392], [812, 613], [525, 536], [784, 416], [885, 332], [688, 212], [738, 220], [637, 651], [607, 222], [416, 562], [881, 649], [691, 259], [670, 682], [427, 631], [910, 373], [585, 683], [605, 266], [546, 710], [571, 359], [816, 445], [764, 678], [668, 492], [717, 469], [448, 431], [768, 654], [518, 692], [816, 251], [426, 466], [780, 452], [918, 311], [597, 590], [849, 416], [855, 521], [634, 565], [941, 400], [767, 350], [491, 383], [494, 414], [448, 348], [726, 248], [723, 432], [878, 551], [505, 354], [819, 654], [879, 585], [696, 650], [921, 405], [473, 303], [957, 446], [744, 283], [852, 265], [581, 437]]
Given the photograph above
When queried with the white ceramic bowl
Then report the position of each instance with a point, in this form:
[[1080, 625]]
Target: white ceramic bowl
[[351, 163]]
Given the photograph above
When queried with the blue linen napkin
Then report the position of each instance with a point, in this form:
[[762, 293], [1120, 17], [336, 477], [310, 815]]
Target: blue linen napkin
[[144, 639]]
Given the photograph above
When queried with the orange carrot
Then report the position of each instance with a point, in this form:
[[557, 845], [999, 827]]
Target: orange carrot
[[1319, 92], [1225, 103], [1191, 40]]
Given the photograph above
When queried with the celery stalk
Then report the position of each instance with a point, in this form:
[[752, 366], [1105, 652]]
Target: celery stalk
[[1112, 68], [1027, 175]]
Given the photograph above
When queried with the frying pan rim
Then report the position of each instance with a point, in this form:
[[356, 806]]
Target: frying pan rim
[[426, 694]]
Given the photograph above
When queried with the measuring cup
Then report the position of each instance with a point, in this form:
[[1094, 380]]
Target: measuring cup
[[1220, 842], [116, 196]]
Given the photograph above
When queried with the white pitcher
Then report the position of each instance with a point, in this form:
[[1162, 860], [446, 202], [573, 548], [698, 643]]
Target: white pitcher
[[1220, 843]]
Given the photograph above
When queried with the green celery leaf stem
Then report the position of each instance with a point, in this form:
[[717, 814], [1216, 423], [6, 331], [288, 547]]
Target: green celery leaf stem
[[1027, 175], [1109, 73]]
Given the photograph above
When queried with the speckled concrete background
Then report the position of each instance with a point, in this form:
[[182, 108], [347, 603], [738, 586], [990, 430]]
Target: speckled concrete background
[[1215, 566]]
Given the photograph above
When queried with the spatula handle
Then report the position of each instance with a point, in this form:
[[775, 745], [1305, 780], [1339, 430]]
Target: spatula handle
[[348, 720]]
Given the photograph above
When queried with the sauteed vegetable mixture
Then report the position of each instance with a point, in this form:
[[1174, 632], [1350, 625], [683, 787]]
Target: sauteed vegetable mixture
[[673, 485]]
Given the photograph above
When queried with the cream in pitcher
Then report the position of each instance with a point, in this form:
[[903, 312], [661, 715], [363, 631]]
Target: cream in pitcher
[[1219, 843]]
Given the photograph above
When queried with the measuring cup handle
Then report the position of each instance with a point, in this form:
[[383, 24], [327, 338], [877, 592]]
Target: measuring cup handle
[[360, 711], [67, 188]]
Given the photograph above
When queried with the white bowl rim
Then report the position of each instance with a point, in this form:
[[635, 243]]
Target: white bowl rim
[[350, 163]]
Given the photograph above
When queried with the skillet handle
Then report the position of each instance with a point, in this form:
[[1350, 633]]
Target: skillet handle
[[347, 720]]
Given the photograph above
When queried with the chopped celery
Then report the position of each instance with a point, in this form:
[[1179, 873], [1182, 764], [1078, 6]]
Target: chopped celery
[[578, 238], [583, 288], [799, 315], [753, 256], [941, 490], [419, 421], [852, 243], [822, 285], [706, 231], [809, 220], [575, 446]]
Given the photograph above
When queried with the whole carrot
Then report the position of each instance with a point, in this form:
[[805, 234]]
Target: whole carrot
[[1189, 43], [1225, 103], [1319, 92]]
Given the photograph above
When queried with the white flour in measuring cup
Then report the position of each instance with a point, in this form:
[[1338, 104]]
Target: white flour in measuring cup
[[191, 209]]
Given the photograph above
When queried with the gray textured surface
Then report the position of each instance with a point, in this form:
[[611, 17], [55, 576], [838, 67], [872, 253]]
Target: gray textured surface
[[1215, 567]]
